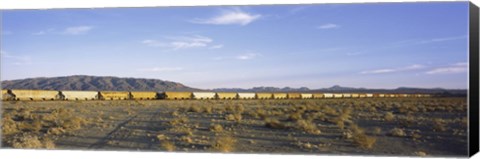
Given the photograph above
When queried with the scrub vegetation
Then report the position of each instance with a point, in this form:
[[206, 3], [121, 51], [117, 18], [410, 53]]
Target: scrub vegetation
[[375, 126]]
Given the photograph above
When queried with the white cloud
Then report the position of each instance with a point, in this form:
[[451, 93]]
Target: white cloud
[[160, 69], [328, 26], [454, 68], [236, 17], [247, 56], [77, 30], [177, 43], [216, 47], [442, 39], [392, 70]]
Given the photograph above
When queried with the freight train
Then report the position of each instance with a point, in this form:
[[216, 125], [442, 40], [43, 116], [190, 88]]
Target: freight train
[[42, 95]]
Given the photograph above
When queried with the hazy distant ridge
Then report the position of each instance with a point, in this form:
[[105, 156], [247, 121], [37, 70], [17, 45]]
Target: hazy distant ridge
[[340, 89], [95, 83]]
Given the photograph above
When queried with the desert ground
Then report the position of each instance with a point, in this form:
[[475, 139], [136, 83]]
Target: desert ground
[[367, 126]]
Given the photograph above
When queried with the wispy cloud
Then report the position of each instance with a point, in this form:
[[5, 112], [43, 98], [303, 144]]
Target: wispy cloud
[[44, 32], [160, 69], [230, 17], [328, 26], [16, 60], [185, 42], [77, 30], [295, 10], [74, 30], [411, 42], [247, 56], [392, 70], [216, 47], [451, 69]]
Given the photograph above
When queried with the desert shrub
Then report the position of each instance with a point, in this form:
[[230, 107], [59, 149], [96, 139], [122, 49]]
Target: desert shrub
[[295, 116], [389, 116], [397, 132], [162, 137], [30, 141], [274, 123], [439, 125], [178, 121], [56, 131], [364, 141], [74, 123], [216, 128], [186, 139], [224, 144], [9, 126], [307, 126], [167, 145], [233, 117], [196, 109]]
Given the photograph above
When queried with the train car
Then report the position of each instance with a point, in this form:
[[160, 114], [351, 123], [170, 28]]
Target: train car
[[35, 94], [138, 95], [306, 95], [355, 95], [246, 95], [6, 95], [226, 95], [176, 95], [279, 95], [362, 95], [403, 95], [347, 95], [79, 95], [369, 95], [264, 95], [328, 95], [114, 95], [318, 95], [337, 95], [294, 95], [203, 95]]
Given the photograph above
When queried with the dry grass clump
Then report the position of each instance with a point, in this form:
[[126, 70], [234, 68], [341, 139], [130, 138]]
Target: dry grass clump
[[178, 121], [307, 126], [274, 124], [224, 144], [216, 128], [234, 117], [167, 145], [397, 132], [389, 116], [30, 141], [9, 126], [74, 123], [439, 125], [361, 139]]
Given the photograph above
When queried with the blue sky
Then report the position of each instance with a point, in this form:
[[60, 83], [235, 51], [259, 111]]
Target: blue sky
[[379, 45]]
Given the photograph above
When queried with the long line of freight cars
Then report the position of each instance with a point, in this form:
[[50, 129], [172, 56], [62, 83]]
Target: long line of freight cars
[[15, 94]]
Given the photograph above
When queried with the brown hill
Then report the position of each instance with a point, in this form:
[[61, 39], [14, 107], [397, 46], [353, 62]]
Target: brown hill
[[95, 83]]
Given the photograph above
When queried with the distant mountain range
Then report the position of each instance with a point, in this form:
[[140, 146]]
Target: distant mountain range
[[340, 89], [97, 83]]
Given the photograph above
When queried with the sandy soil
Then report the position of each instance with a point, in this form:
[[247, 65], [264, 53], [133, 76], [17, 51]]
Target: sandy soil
[[394, 126]]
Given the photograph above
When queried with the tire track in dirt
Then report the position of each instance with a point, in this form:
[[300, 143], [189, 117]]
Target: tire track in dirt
[[152, 124], [113, 135]]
